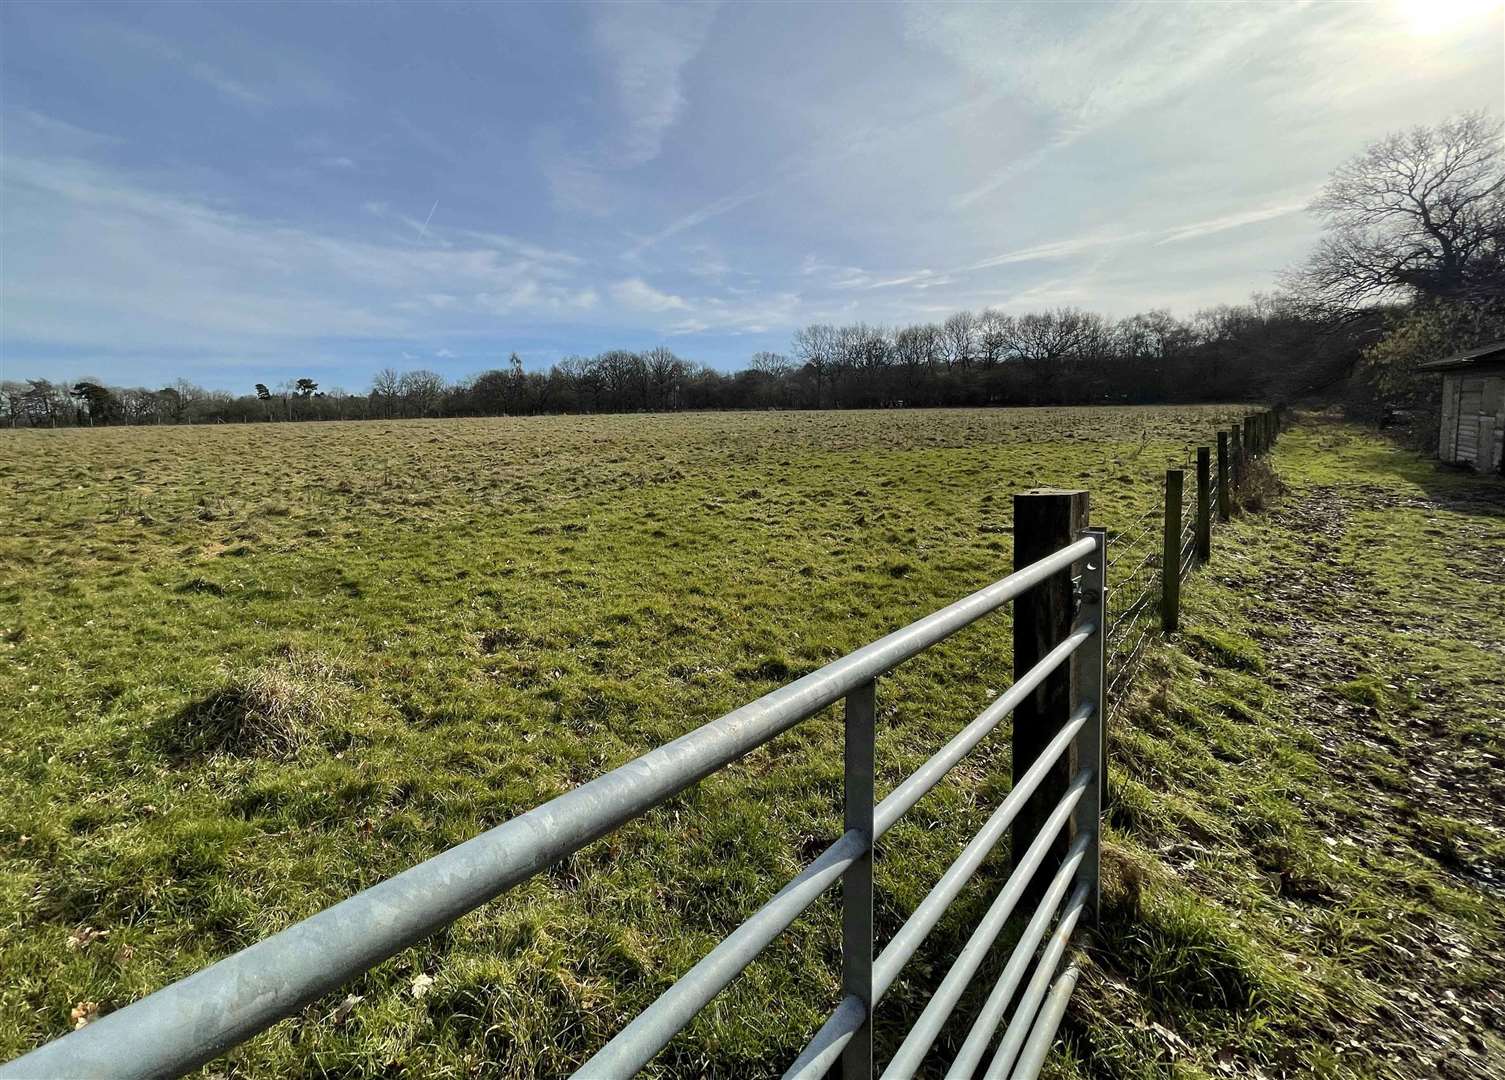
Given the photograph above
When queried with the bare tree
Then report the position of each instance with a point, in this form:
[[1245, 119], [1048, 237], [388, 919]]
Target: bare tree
[[960, 334], [993, 331], [385, 388], [1420, 213], [665, 370], [421, 391], [816, 347], [774, 365]]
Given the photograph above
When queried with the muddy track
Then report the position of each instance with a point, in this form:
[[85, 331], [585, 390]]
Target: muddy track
[[1422, 1029]]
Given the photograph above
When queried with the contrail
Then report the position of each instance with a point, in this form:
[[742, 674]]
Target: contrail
[[425, 229]]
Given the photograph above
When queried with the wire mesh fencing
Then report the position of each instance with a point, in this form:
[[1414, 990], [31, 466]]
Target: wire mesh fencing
[[1141, 555]]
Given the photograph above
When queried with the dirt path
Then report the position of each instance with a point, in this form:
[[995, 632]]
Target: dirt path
[[1429, 790]]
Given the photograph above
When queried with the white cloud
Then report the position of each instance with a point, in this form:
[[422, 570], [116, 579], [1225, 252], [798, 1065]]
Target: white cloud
[[636, 294], [96, 260], [1086, 67], [280, 76], [231, 88], [742, 315], [1236, 220], [646, 46], [1059, 249]]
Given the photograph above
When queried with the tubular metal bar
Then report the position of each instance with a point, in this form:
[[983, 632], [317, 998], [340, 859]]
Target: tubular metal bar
[[1089, 678], [817, 1058], [1029, 1005], [847, 1019], [911, 790], [635, 1045], [988, 1018], [1046, 1025], [906, 1062], [196, 1019], [857, 882], [919, 924]]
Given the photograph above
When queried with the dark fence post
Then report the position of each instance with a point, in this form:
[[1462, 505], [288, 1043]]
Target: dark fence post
[[1204, 504], [1170, 557], [1044, 522], [1222, 476], [1251, 443], [857, 882]]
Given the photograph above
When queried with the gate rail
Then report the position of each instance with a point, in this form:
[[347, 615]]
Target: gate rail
[[1057, 796]]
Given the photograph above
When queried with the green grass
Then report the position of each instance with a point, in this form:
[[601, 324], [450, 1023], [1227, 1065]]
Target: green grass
[[255, 669], [1308, 803]]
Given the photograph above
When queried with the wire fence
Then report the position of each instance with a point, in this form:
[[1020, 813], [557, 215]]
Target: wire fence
[[1140, 553]]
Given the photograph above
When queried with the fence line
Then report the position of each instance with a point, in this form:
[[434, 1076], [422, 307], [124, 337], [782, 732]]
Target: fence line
[[1064, 691], [1218, 487]]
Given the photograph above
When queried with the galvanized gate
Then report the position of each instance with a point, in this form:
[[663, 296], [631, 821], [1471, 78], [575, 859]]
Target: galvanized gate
[[1054, 809]]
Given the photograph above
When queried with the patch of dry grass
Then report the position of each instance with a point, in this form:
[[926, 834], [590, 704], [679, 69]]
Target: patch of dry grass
[[274, 708]]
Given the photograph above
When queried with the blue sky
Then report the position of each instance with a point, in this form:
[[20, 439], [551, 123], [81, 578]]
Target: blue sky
[[249, 192]]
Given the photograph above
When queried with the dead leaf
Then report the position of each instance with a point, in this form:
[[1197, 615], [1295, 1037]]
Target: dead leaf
[[421, 985], [345, 1008], [123, 955], [84, 936], [84, 1013]]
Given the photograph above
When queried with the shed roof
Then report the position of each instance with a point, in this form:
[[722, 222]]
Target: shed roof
[[1484, 354]]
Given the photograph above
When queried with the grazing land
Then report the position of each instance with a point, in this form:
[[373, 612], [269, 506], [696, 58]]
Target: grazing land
[[253, 669]]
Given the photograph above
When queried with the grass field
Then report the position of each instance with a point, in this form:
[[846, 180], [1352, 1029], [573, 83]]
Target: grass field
[[255, 669]]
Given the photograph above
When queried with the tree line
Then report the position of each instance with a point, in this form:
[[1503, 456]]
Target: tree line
[[1410, 266], [1068, 356]]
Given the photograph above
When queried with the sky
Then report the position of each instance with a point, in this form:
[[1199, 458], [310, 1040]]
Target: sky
[[247, 193]]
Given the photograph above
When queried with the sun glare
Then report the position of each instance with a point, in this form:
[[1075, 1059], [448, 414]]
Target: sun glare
[[1432, 17]]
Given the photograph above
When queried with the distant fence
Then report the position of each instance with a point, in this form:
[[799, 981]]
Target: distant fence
[[1064, 626], [1148, 559]]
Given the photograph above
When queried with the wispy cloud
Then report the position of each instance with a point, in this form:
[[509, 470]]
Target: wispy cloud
[[1089, 67], [229, 87], [646, 47], [279, 77], [1058, 249], [1236, 220], [93, 258], [695, 217], [635, 294]]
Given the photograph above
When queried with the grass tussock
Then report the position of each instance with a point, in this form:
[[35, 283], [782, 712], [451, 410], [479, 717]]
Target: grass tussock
[[272, 709]]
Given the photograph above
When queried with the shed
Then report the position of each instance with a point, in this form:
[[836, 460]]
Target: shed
[[1473, 407]]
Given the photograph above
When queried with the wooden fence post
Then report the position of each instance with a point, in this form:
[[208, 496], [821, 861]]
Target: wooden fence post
[[1204, 504], [1044, 523], [1222, 476], [1170, 556], [1251, 440]]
